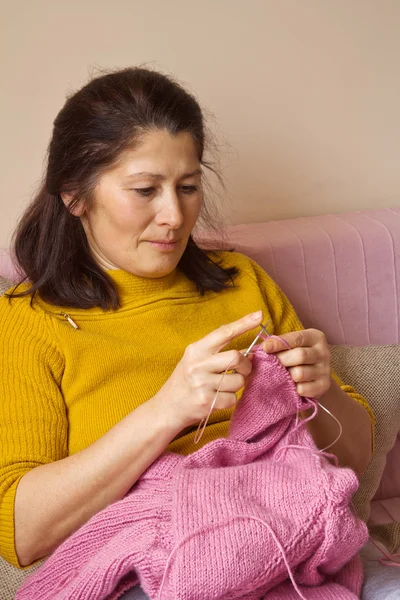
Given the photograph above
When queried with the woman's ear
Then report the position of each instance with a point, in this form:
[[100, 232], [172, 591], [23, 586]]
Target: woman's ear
[[77, 210]]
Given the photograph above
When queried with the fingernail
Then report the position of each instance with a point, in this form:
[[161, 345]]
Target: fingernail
[[256, 316]]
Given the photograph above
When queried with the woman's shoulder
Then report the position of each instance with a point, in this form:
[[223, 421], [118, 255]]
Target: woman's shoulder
[[7, 306], [21, 313], [8, 287], [246, 266], [27, 337], [231, 258]]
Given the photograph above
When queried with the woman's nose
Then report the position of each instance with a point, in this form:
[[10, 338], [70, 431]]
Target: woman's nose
[[170, 212]]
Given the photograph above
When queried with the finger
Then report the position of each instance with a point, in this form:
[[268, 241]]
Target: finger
[[219, 338], [230, 382], [305, 374], [311, 389], [249, 356], [298, 356], [294, 339], [225, 400], [231, 359]]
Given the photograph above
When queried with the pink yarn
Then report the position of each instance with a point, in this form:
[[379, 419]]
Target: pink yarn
[[239, 518]]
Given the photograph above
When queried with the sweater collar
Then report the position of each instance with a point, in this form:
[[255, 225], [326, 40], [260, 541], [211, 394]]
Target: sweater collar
[[134, 290], [130, 285]]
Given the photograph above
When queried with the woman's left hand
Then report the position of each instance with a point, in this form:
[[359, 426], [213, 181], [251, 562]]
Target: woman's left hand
[[308, 361]]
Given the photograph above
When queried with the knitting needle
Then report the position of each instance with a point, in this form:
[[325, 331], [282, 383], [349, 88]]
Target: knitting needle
[[264, 328], [253, 343]]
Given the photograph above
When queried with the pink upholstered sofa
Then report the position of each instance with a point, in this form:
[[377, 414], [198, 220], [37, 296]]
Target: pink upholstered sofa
[[342, 274]]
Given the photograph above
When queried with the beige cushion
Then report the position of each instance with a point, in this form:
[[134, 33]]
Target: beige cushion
[[11, 579], [388, 534], [5, 285], [374, 371]]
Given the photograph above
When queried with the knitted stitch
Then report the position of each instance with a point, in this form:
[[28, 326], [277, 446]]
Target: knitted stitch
[[226, 521]]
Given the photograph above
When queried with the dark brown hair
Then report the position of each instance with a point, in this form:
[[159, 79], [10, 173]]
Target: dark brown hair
[[94, 127]]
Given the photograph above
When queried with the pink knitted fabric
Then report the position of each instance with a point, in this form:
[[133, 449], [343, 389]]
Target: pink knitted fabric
[[226, 522]]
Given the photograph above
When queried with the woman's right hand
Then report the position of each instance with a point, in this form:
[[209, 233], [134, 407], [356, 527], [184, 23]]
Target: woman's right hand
[[187, 395]]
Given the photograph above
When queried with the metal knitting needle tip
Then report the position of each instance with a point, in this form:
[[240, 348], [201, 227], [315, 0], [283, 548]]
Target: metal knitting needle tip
[[253, 343], [264, 328]]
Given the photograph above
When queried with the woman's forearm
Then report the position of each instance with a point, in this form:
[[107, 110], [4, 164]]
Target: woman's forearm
[[54, 500], [354, 448]]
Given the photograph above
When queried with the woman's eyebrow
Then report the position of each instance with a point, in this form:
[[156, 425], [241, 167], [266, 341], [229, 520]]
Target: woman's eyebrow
[[192, 174], [159, 177]]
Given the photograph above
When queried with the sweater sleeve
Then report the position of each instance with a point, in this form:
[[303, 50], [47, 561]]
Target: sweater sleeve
[[33, 422], [285, 319]]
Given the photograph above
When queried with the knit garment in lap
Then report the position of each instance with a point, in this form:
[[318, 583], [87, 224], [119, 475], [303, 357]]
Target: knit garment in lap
[[209, 525], [61, 389]]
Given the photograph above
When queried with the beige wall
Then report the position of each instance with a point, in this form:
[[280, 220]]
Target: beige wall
[[305, 92]]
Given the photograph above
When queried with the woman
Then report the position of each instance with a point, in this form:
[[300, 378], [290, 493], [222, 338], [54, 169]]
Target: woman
[[113, 352]]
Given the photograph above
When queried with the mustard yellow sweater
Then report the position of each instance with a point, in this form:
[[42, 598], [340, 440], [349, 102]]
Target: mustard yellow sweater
[[62, 388]]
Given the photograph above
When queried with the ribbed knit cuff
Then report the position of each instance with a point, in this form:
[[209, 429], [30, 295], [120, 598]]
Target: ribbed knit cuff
[[7, 529]]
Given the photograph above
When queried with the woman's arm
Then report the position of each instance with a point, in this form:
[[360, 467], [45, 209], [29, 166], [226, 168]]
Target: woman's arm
[[54, 500], [309, 364], [354, 448]]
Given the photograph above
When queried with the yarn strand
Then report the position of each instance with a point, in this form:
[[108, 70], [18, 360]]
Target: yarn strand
[[389, 559]]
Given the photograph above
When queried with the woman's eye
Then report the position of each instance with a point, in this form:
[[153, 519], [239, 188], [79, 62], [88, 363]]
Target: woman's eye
[[144, 191], [149, 191], [189, 189]]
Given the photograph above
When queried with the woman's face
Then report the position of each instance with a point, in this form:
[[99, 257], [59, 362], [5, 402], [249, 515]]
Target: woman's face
[[153, 195]]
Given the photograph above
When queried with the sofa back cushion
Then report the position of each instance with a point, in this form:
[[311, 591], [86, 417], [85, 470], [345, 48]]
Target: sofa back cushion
[[5, 285], [375, 372]]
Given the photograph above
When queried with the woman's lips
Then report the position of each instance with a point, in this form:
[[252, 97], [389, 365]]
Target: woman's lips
[[164, 245]]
